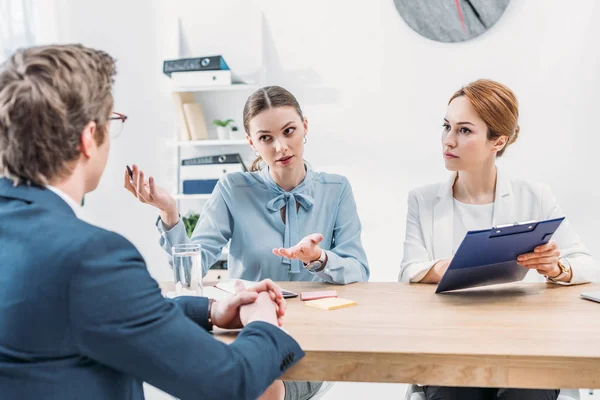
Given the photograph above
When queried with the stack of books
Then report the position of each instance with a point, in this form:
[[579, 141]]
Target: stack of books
[[200, 175], [190, 116], [200, 72]]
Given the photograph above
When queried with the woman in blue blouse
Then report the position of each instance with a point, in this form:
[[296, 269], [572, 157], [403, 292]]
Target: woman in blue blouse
[[285, 221]]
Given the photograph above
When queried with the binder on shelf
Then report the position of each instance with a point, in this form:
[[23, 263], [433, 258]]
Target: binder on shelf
[[199, 186], [194, 116], [200, 175], [210, 63], [205, 78], [233, 158]]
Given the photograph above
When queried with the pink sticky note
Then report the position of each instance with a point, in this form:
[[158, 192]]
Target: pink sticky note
[[318, 295]]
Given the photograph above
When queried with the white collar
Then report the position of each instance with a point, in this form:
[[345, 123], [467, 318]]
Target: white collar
[[71, 203]]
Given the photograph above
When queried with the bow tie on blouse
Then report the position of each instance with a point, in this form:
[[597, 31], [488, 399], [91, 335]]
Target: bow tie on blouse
[[289, 200]]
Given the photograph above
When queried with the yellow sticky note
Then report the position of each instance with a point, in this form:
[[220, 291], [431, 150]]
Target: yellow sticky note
[[331, 303]]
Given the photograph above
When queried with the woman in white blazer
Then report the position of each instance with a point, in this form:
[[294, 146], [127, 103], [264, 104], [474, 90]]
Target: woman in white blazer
[[481, 122]]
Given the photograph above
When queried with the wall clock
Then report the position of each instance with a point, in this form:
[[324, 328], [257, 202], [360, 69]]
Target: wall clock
[[451, 20]]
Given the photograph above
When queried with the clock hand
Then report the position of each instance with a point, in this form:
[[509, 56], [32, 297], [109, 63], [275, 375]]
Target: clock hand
[[460, 15], [476, 13]]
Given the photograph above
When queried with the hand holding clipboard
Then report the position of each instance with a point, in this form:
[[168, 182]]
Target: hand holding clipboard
[[544, 259], [489, 257]]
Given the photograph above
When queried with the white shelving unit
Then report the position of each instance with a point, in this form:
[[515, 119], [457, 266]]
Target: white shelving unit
[[228, 88], [211, 143]]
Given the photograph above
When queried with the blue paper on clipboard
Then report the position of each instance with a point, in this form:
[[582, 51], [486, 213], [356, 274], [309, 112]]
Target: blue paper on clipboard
[[489, 257]]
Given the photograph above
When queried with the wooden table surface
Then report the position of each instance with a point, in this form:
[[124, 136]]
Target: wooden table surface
[[517, 335]]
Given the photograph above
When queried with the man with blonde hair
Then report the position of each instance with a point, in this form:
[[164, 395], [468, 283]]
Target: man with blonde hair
[[80, 317]]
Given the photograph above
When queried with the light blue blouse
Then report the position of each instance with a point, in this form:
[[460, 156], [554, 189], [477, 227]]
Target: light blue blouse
[[245, 208]]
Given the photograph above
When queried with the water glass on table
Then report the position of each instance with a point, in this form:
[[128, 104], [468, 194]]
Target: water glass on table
[[187, 269]]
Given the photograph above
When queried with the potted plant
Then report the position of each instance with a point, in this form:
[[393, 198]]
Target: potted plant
[[189, 221], [223, 132]]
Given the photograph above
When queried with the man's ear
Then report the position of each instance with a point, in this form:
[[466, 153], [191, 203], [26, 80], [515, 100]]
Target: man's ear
[[87, 141]]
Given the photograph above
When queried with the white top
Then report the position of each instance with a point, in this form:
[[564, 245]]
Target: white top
[[74, 206], [470, 217], [430, 225]]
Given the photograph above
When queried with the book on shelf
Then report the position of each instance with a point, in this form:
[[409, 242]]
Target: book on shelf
[[194, 117], [209, 63], [180, 99]]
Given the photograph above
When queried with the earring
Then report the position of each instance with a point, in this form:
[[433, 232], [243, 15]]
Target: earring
[[256, 153], [305, 139]]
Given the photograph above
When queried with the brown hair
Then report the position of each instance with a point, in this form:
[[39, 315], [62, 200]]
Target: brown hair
[[263, 99], [496, 105], [48, 95]]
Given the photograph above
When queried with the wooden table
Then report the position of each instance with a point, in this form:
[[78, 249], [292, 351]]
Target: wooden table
[[518, 335]]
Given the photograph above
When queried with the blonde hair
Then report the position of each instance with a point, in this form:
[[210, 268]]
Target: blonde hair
[[48, 95], [263, 99], [496, 105]]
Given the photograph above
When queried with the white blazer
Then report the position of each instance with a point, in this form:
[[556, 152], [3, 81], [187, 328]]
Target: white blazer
[[429, 226]]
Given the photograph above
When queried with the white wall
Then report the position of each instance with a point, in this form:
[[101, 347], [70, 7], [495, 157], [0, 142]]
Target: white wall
[[373, 90]]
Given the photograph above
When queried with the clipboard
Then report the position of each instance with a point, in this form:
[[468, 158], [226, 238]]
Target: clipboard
[[489, 257]]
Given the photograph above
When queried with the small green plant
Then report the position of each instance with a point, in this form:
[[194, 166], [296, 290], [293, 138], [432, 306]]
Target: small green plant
[[223, 123], [189, 221]]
